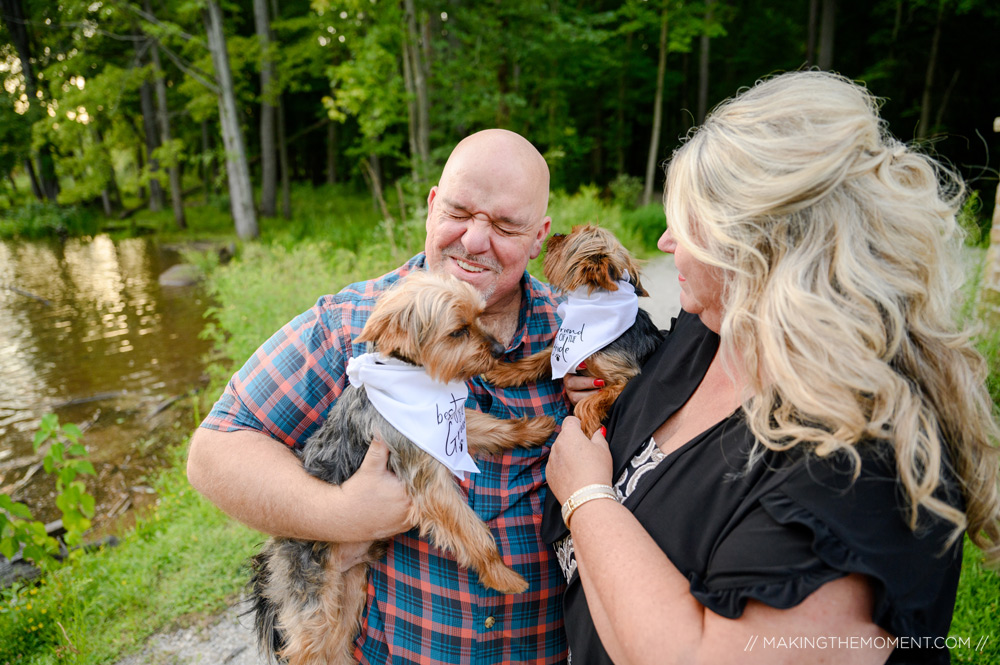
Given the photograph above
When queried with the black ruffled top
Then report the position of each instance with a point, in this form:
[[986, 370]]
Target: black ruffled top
[[777, 532]]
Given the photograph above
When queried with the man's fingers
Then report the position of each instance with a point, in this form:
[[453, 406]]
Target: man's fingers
[[377, 456]]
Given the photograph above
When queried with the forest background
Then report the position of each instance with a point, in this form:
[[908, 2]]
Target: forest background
[[310, 132]]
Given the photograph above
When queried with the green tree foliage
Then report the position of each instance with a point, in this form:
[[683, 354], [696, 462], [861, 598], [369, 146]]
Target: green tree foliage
[[578, 79]]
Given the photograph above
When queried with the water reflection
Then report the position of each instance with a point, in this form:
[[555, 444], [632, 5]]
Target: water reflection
[[85, 326]]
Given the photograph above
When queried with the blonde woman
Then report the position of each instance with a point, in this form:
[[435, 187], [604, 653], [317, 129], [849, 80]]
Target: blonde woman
[[789, 478]]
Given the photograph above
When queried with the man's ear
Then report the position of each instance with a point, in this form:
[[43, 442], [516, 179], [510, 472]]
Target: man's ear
[[539, 242]]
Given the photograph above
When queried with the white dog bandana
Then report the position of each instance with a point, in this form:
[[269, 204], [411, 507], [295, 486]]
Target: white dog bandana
[[590, 322], [429, 413]]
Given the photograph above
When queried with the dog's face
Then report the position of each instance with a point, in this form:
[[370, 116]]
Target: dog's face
[[589, 256], [432, 320]]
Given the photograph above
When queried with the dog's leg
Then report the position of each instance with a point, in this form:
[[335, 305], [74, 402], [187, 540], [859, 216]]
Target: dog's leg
[[491, 435], [320, 623], [339, 634], [591, 410], [448, 521], [519, 372]]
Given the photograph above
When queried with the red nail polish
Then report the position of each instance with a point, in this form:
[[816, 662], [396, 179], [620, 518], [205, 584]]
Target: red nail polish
[[582, 366], [604, 431], [598, 383]]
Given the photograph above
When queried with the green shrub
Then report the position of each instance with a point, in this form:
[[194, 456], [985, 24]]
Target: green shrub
[[43, 219]]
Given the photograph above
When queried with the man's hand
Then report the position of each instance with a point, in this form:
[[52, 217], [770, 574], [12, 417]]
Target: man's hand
[[379, 497]]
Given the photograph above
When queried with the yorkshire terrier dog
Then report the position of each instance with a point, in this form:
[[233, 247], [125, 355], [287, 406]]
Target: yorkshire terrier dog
[[590, 259], [307, 610]]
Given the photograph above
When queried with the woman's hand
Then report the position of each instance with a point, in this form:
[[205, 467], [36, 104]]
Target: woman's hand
[[576, 461], [580, 386]]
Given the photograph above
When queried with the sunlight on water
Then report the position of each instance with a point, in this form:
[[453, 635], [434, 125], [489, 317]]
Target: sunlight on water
[[85, 330]]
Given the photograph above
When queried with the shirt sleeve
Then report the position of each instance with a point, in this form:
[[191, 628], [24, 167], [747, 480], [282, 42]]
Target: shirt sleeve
[[287, 386], [816, 527]]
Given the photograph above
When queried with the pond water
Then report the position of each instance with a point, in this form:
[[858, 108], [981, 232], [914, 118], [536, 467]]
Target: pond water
[[87, 332]]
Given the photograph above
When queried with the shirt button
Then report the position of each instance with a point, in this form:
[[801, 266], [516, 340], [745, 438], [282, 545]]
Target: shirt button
[[490, 621]]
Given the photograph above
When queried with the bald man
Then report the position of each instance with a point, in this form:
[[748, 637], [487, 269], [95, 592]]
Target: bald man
[[485, 220]]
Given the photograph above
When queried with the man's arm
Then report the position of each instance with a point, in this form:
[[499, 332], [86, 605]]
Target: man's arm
[[260, 482]]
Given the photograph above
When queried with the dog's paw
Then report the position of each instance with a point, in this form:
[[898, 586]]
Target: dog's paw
[[503, 579]]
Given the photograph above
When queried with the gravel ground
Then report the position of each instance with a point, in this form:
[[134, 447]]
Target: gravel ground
[[227, 640]]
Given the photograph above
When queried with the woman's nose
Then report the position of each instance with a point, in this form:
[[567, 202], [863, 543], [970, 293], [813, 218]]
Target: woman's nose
[[666, 243]]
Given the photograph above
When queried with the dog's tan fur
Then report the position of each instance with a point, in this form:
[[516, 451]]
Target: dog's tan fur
[[427, 320], [590, 257]]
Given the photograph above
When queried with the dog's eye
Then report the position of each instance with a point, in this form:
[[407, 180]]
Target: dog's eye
[[461, 332]]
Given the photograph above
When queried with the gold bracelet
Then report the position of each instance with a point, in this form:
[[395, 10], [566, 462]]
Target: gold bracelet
[[584, 495]]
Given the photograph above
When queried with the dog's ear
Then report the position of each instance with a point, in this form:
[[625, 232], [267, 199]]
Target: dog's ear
[[639, 291], [388, 326], [600, 272]]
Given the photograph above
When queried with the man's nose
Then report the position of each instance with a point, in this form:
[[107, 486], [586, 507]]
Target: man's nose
[[476, 238]]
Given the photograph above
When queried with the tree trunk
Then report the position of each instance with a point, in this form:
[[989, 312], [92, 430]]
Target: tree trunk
[[827, 31], [207, 162], [268, 111], [654, 140], [989, 292], [163, 118], [811, 33], [331, 152], [36, 187], [152, 143], [924, 126], [139, 162], [622, 136], [706, 45], [419, 69], [283, 162], [17, 25], [111, 192], [411, 106], [237, 170]]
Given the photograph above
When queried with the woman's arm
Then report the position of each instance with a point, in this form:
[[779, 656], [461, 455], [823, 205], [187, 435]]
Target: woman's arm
[[642, 605]]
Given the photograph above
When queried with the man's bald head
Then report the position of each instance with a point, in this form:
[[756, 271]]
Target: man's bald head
[[486, 216], [511, 158]]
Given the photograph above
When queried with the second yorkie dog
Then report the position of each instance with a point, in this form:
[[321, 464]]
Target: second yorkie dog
[[590, 258], [307, 610]]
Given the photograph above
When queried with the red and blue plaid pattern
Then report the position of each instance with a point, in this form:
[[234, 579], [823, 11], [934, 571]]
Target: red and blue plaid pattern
[[422, 607]]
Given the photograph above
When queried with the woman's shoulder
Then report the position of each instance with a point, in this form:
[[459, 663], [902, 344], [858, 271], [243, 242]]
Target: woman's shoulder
[[814, 519]]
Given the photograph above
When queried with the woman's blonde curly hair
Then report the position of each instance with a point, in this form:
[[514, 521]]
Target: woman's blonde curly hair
[[839, 249]]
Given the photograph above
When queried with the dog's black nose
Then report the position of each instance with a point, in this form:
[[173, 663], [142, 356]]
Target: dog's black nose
[[496, 348]]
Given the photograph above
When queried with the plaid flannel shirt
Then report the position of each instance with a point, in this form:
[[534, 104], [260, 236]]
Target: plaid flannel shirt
[[422, 607]]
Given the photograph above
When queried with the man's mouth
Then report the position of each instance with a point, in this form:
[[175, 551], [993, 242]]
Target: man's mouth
[[469, 267]]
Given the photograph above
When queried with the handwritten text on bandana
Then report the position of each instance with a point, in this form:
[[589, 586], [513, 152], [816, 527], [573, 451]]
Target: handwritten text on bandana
[[591, 321], [429, 413]]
